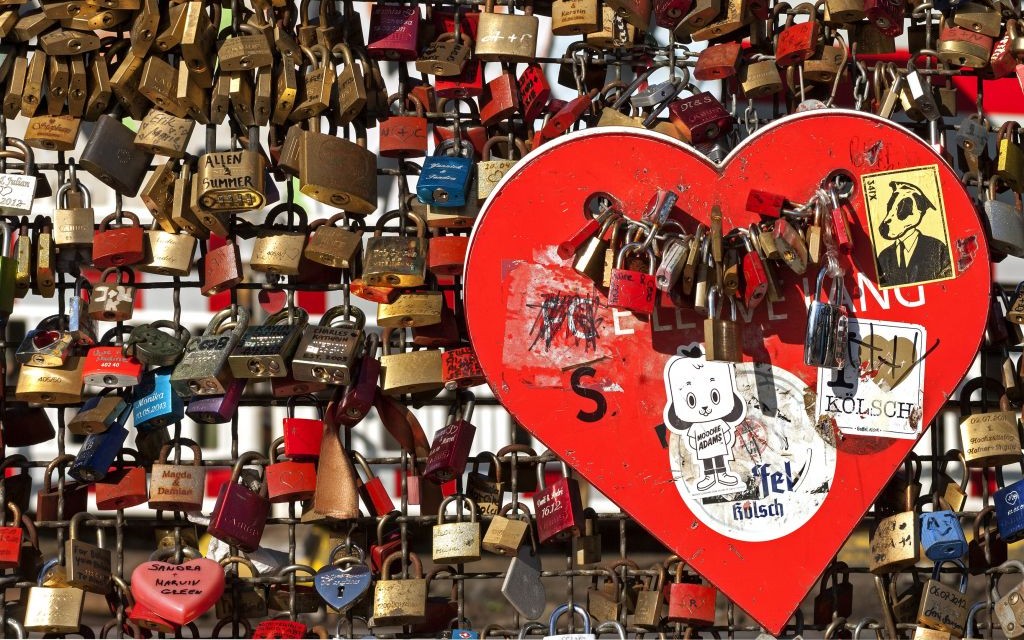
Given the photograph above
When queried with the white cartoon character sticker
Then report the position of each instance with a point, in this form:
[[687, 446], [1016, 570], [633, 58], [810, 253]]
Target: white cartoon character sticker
[[704, 408]]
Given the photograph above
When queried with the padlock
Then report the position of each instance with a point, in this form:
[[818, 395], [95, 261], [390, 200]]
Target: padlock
[[760, 78], [558, 506], [302, 436], [99, 450], [120, 246], [456, 542], [228, 182], [723, 338], [461, 369], [586, 547], [288, 480], [88, 566], [894, 543], [717, 61], [446, 255], [327, 352], [24, 426], [386, 544], [572, 610], [177, 487], [112, 157], [1009, 608], [1005, 221], [162, 133], [491, 170], [631, 289], [222, 269], [409, 371], [604, 603], [688, 602], [987, 548], [168, 254], [154, 347], [305, 600], [106, 365], [449, 451], [240, 598], [359, 396], [396, 261], [335, 246], [575, 17], [113, 302], [506, 531], [400, 602], [942, 537], [943, 608], [827, 335], [797, 42], [123, 487], [1010, 521], [339, 172], [53, 609], [447, 54], [394, 30], [991, 438], [375, 496], [952, 495], [73, 217], [485, 488], [97, 413], [264, 350], [650, 600], [506, 37], [51, 385], [278, 250], [48, 344], [217, 409], [203, 370], [445, 177], [411, 309], [240, 513], [11, 538], [74, 494]]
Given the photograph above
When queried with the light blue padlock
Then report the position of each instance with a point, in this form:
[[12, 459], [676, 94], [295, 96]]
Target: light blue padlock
[[155, 404]]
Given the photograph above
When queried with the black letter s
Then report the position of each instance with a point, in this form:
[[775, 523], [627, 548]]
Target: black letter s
[[601, 404]]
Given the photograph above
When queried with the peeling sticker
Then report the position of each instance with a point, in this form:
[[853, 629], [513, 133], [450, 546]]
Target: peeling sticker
[[966, 249], [881, 389], [752, 466]]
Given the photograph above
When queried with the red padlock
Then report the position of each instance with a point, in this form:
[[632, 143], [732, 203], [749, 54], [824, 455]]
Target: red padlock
[[449, 452], [700, 118], [222, 269], [359, 397], [372, 293], [534, 91], [118, 246], [386, 544], [689, 603], [288, 480], [668, 13], [107, 366], [718, 61], [755, 278], [240, 514], [1002, 61], [76, 495], [146, 618], [500, 99], [302, 436], [394, 32], [404, 135], [840, 227], [566, 117], [124, 487], [442, 334], [633, 290], [558, 507], [10, 539], [798, 42], [468, 84], [446, 255], [373, 492], [285, 628], [886, 15], [471, 128], [765, 203], [460, 369]]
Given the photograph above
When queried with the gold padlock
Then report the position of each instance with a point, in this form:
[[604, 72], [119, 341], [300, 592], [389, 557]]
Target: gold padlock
[[335, 246], [51, 385], [991, 438], [504, 535], [396, 261], [400, 602], [168, 254], [456, 542], [414, 309], [506, 37], [490, 170], [279, 249], [231, 181], [409, 371], [165, 134]]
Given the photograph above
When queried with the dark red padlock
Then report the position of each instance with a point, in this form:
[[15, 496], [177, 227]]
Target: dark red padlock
[[240, 514], [373, 492], [24, 426], [632, 290], [755, 276], [288, 480], [284, 628], [394, 31], [700, 118], [500, 99], [688, 602], [470, 126], [76, 495], [444, 21], [123, 487], [797, 42], [840, 228], [118, 246], [10, 539], [460, 369], [386, 544], [565, 117], [1002, 61], [718, 61], [468, 84], [835, 599], [534, 91], [886, 15], [302, 436], [372, 293], [404, 135], [558, 507], [288, 386], [668, 13], [449, 452], [446, 255], [359, 397], [442, 334]]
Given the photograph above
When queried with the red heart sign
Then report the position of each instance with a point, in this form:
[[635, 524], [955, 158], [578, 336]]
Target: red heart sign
[[179, 593], [757, 470]]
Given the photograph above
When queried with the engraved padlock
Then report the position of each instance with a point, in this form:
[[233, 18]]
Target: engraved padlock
[[327, 352], [203, 370], [264, 350], [396, 261]]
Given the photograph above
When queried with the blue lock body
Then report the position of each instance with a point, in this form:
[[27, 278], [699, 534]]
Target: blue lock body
[[97, 454], [942, 537], [1009, 504], [155, 404], [444, 180]]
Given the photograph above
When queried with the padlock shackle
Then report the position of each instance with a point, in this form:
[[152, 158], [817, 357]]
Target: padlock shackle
[[59, 461], [563, 609], [348, 548], [461, 498], [983, 384], [233, 560], [414, 561], [937, 571], [177, 443], [290, 405], [383, 522]]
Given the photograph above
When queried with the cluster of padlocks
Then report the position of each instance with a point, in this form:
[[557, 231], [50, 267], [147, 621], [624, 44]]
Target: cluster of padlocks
[[445, 99]]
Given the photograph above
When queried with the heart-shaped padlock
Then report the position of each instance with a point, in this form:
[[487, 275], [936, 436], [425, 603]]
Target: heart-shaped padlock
[[179, 593], [344, 581]]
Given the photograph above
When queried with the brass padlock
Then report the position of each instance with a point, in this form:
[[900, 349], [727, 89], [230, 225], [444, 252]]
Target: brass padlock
[[894, 543], [88, 565], [264, 351], [165, 134], [505, 534], [990, 438], [575, 17], [279, 249], [456, 542], [399, 602], [335, 246], [338, 172], [74, 217], [412, 309], [760, 78], [168, 254], [506, 37], [231, 181], [53, 609], [55, 385], [174, 486], [409, 371], [396, 261], [490, 170]]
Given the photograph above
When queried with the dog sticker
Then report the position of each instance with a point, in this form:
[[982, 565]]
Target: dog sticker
[[907, 221]]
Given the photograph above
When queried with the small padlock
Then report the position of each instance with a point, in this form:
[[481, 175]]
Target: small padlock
[[334, 246], [278, 250], [99, 450], [456, 542], [650, 600], [506, 531], [217, 409], [944, 608], [203, 370], [630, 289], [587, 545], [449, 451], [396, 261], [688, 602], [120, 246], [558, 507], [827, 336], [177, 487], [97, 413], [88, 566], [400, 602], [375, 496], [445, 177], [942, 537], [723, 338], [240, 514], [123, 487], [302, 436], [894, 543], [288, 480], [75, 495], [560, 611], [155, 348], [113, 302], [394, 30]]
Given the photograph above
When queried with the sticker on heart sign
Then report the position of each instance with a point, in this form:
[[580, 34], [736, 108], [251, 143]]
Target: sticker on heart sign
[[763, 471], [179, 593]]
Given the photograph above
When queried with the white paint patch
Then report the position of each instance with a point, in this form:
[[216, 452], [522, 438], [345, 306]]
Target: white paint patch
[[880, 392]]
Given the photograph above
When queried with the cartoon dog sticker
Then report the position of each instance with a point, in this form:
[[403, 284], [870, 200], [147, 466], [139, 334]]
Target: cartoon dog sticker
[[703, 407]]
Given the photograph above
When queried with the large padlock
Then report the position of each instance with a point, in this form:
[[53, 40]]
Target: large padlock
[[506, 37], [963, 47], [327, 352], [203, 370], [558, 506], [53, 609], [264, 350], [88, 565], [894, 543], [111, 156], [106, 364], [943, 608], [113, 302], [178, 487], [51, 385], [456, 542], [339, 172], [827, 335], [400, 602], [394, 31], [288, 480], [990, 438], [396, 261], [449, 451], [240, 513], [409, 371], [1009, 518], [118, 246]]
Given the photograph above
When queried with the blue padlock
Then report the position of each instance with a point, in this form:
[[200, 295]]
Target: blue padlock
[[155, 404], [444, 179], [942, 537], [97, 454], [1009, 504]]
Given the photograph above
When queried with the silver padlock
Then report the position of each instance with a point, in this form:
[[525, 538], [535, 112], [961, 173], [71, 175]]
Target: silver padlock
[[203, 369], [825, 344], [558, 613], [1009, 609], [1006, 222], [17, 191], [327, 351]]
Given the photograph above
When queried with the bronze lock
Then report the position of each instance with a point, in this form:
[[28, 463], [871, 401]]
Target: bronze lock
[[165, 134], [335, 246], [279, 249], [396, 261], [231, 181]]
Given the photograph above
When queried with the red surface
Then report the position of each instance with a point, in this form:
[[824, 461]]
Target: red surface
[[541, 203]]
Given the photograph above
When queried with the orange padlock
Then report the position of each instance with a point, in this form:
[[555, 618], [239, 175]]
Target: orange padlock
[[124, 487], [118, 246], [446, 254], [688, 602], [288, 480]]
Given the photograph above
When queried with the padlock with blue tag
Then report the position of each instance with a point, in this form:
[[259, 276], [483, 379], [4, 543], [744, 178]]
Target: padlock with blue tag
[[345, 580], [444, 179], [154, 403], [99, 450]]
